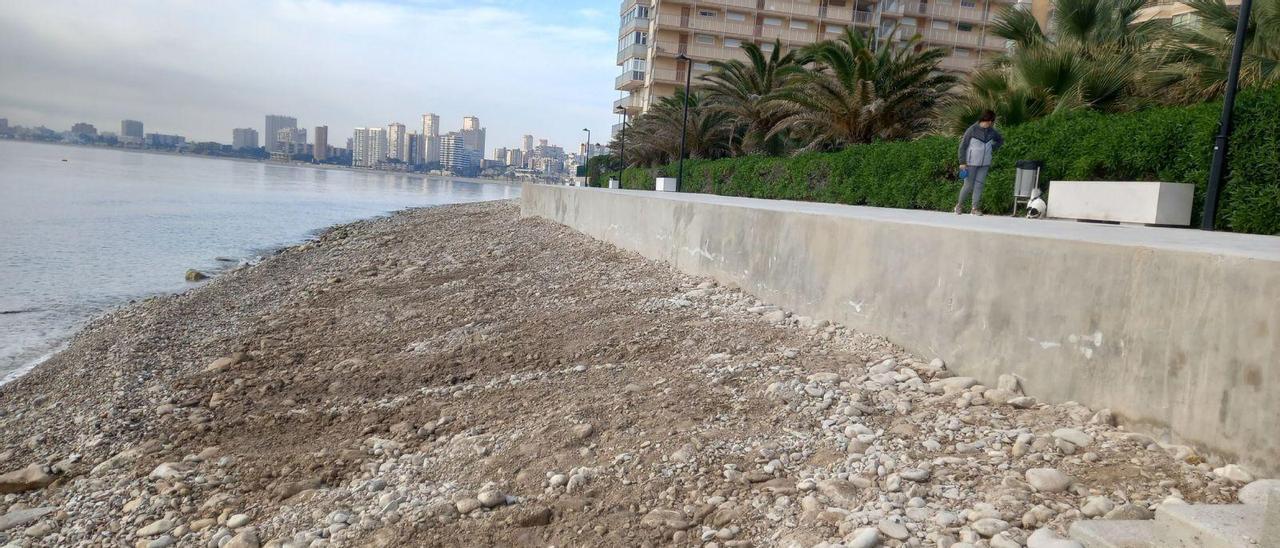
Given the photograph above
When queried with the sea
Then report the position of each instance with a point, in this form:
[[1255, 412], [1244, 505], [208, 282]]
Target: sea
[[84, 230]]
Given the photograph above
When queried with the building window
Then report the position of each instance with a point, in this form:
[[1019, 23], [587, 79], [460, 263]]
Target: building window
[[964, 27], [1186, 20], [633, 39], [799, 25], [707, 13], [634, 64], [960, 52], [705, 39], [735, 16], [835, 29], [767, 47], [908, 21], [772, 22], [968, 3], [941, 25], [701, 67], [732, 43]]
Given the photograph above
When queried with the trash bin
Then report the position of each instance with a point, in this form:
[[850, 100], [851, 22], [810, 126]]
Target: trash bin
[[1026, 180]]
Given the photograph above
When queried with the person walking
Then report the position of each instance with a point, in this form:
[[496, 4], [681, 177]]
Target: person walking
[[977, 146]]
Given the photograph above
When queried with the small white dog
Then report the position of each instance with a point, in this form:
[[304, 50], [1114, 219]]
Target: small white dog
[[1037, 206]]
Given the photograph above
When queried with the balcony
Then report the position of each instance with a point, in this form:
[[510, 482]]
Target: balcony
[[791, 8], [639, 24], [954, 13], [629, 80], [668, 76], [631, 102], [949, 37], [629, 4], [634, 51], [958, 64], [839, 13], [806, 36]]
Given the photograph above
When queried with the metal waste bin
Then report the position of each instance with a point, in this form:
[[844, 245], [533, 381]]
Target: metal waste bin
[[1026, 180]]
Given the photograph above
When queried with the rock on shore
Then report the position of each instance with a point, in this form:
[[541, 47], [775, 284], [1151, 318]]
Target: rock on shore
[[459, 376]]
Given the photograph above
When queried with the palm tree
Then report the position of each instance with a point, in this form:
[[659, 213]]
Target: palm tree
[[1095, 59], [654, 138], [746, 91], [860, 91], [1193, 58]]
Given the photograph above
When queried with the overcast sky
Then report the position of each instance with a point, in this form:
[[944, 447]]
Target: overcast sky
[[201, 68]]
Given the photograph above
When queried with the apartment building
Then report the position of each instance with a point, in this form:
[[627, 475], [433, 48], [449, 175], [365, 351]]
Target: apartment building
[[654, 32], [1175, 12]]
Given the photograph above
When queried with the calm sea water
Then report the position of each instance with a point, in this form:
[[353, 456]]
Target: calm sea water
[[81, 236]]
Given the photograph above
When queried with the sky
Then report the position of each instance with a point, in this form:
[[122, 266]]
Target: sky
[[201, 68]]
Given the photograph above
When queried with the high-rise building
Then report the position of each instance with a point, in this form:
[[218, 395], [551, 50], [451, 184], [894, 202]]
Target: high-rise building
[[131, 129], [500, 154], [369, 147], [515, 157], [289, 139], [245, 137], [654, 32], [321, 137], [453, 152], [1173, 11], [416, 148], [274, 124], [473, 137], [397, 143], [526, 144], [431, 138]]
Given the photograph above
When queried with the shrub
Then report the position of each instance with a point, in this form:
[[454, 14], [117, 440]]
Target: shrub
[[1172, 144]]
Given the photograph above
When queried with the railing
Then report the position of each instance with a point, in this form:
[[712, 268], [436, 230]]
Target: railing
[[669, 76], [958, 63], [722, 26], [842, 13], [745, 4], [952, 37], [639, 24], [949, 12], [670, 20], [634, 51], [630, 102], [864, 17], [788, 35], [630, 78]]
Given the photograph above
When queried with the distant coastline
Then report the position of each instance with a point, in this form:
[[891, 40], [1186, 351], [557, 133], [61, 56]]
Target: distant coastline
[[333, 167]]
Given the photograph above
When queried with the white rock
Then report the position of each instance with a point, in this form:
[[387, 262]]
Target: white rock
[[1048, 480], [237, 521], [1234, 472], [1047, 538], [156, 527], [1097, 506], [1256, 492], [867, 537], [491, 498], [893, 529], [990, 527], [1073, 436]]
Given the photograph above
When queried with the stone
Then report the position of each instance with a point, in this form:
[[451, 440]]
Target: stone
[[1047, 538], [237, 521], [1130, 512], [583, 431], [990, 527], [1003, 540], [168, 470], [194, 275], [1073, 436], [490, 498], [202, 524], [842, 492], [245, 539], [1257, 491], [956, 384], [1233, 472], [867, 537], [1022, 402], [893, 529], [18, 518], [915, 474], [776, 316], [1097, 506], [1009, 383], [663, 517], [156, 527], [165, 541], [26, 479], [1048, 480], [468, 505], [535, 517]]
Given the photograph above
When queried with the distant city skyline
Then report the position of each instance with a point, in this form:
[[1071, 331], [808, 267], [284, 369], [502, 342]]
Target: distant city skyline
[[200, 70]]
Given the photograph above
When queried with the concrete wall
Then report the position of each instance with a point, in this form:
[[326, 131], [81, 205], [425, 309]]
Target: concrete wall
[[1168, 334]]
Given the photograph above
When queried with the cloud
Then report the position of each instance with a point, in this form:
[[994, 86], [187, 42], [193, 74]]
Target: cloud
[[201, 69]]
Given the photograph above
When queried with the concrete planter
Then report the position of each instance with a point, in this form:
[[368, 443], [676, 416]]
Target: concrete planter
[[665, 184], [1143, 202]]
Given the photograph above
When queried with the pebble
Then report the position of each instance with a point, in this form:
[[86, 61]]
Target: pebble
[[1073, 436], [491, 498], [863, 538], [157, 527], [468, 505], [1048, 538], [1130, 512], [893, 529], [990, 527], [1048, 480], [237, 521], [1097, 506], [163, 542]]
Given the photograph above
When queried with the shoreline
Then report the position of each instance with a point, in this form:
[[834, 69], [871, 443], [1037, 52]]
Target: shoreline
[[331, 167], [458, 375]]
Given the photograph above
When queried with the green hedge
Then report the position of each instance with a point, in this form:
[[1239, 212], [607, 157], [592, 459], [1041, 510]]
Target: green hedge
[[1171, 144]]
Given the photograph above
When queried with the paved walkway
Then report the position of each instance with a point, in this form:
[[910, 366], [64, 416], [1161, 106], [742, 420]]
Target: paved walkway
[[1179, 239]]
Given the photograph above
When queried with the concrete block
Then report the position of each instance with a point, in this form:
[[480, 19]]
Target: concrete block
[[665, 184], [1210, 525], [613, 183], [1142, 202], [1101, 533]]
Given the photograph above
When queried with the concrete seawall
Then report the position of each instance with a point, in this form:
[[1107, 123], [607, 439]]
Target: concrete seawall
[[1177, 331]]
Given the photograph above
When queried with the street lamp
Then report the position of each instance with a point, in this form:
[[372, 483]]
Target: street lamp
[[1214, 189], [622, 143], [587, 162], [684, 126]]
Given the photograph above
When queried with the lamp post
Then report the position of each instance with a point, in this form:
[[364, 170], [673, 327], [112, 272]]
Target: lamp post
[[1210, 213], [587, 162], [684, 125], [622, 144]]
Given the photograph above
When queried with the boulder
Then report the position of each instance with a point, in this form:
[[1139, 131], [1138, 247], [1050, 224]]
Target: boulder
[[194, 275], [18, 518], [26, 479]]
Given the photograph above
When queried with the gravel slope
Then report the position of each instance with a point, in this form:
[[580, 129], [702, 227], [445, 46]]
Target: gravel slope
[[457, 376]]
